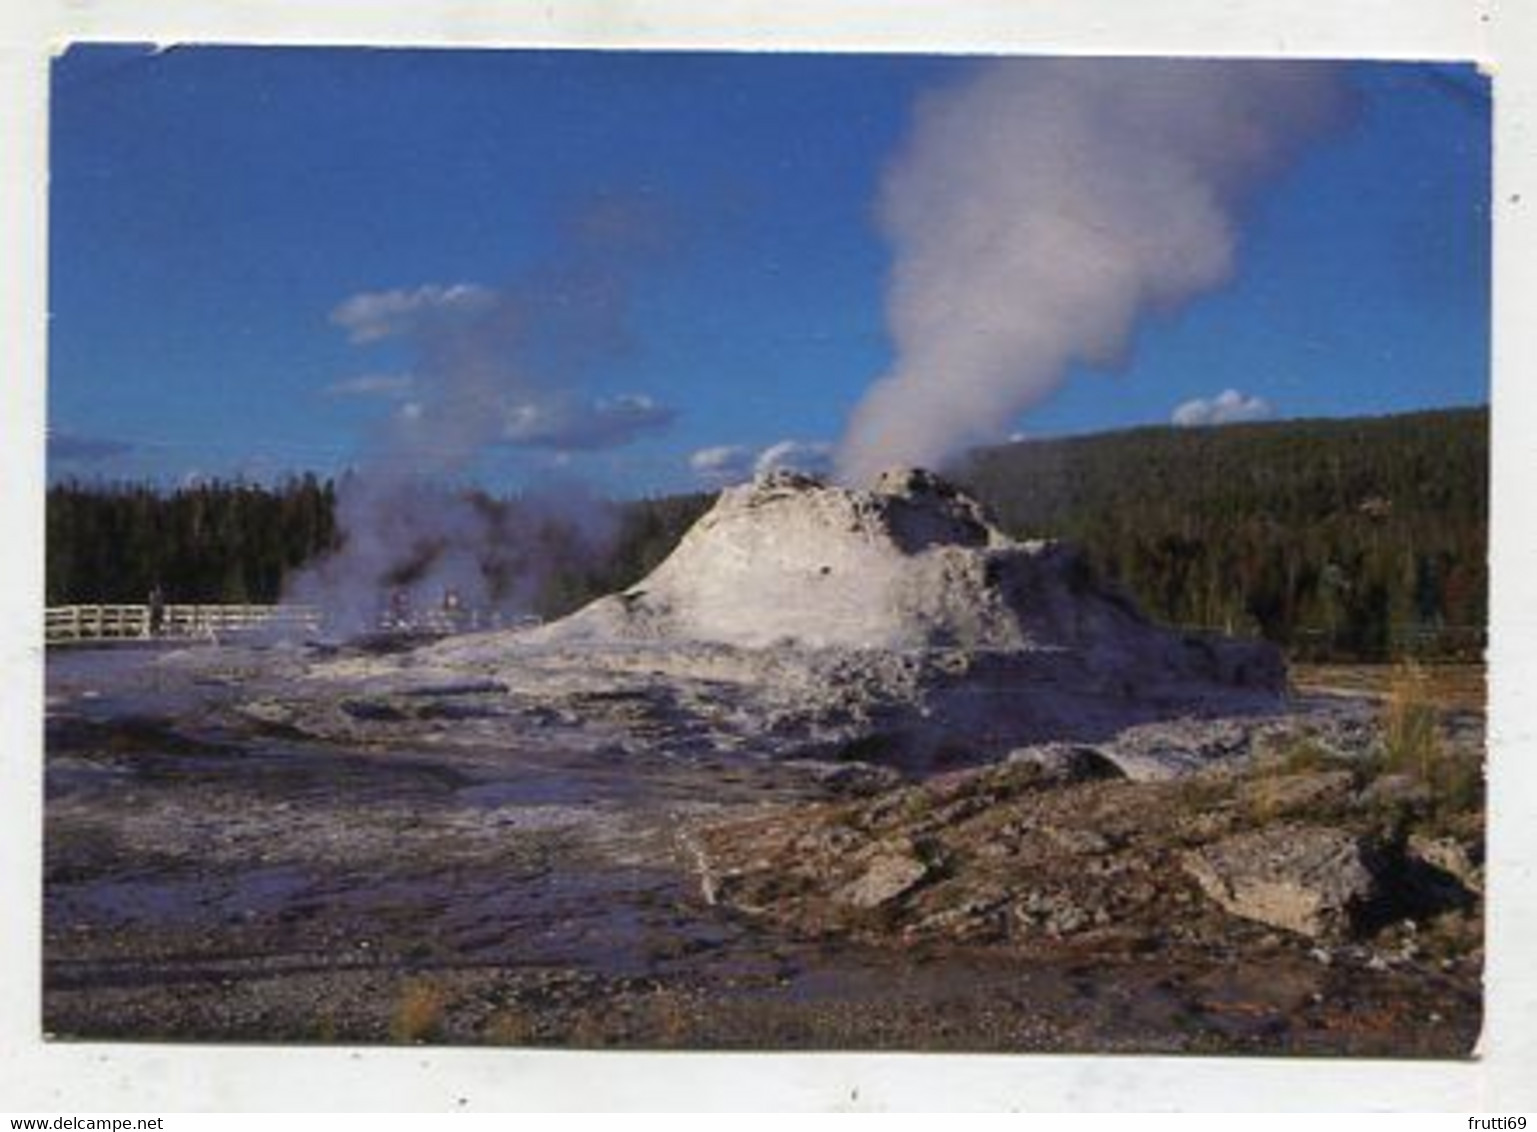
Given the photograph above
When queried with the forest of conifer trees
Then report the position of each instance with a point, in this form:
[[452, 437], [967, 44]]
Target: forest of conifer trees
[[1364, 538], [1360, 539]]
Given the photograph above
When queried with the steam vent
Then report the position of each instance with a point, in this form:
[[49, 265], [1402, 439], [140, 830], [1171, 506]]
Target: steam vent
[[826, 621]]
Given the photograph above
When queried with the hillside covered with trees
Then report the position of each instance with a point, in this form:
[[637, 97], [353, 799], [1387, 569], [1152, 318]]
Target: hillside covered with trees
[[1352, 539], [1362, 538]]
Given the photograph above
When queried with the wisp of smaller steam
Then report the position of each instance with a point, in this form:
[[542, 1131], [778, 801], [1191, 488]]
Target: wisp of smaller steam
[[492, 369]]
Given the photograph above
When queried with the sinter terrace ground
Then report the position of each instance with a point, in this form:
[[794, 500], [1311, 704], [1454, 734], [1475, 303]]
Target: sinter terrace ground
[[215, 877]]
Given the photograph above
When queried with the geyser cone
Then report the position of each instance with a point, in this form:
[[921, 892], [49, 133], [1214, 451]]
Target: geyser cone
[[910, 563]]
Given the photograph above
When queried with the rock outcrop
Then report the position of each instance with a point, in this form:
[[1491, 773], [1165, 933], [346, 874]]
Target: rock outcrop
[[891, 873], [1317, 881], [1050, 847]]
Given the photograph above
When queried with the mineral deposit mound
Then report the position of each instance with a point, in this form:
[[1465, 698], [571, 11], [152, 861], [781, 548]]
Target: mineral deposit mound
[[896, 620]]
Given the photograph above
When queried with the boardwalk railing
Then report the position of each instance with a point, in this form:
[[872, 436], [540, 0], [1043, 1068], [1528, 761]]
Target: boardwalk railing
[[79, 623]]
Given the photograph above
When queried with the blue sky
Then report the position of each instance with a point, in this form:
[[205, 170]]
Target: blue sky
[[214, 209]]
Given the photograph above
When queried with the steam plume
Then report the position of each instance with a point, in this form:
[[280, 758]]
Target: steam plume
[[492, 368], [1042, 209]]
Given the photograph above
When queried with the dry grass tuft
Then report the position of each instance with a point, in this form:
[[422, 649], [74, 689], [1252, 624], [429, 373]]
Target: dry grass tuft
[[1410, 734], [325, 1027], [669, 1017], [511, 1026], [418, 1013], [1413, 745]]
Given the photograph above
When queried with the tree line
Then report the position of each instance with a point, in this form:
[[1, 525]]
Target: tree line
[[1363, 539], [213, 542], [237, 543], [1349, 539]]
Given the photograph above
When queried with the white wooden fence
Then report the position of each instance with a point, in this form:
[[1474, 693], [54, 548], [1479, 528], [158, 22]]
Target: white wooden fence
[[81, 623]]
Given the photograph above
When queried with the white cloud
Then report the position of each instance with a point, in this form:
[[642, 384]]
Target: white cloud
[[734, 463], [492, 368], [70, 447], [812, 457], [387, 385], [1227, 407], [723, 463], [569, 424], [372, 315]]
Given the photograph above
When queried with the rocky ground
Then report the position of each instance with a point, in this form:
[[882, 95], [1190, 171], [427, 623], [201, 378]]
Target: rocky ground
[[1305, 846], [283, 844]]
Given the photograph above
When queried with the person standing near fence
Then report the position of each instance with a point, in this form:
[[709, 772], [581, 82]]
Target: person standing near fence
[[156, 610]]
